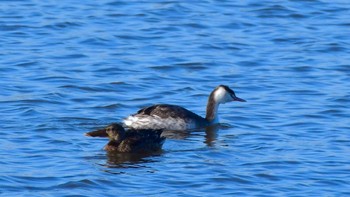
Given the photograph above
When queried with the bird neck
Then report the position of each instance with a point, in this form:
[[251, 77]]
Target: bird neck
[[116, 140], [113, 143], [212, 110]]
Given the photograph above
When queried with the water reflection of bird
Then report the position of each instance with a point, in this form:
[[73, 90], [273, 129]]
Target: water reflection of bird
[[130, 160]]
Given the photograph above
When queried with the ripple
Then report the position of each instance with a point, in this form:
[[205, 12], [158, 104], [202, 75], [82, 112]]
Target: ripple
[[86, 88], [63, 25], [76, 184], [96, 41], [14, 27], [70, 68], [26, 64]]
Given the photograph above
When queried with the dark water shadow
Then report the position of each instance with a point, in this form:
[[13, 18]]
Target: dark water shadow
[[210, 133], [175, 134], [137, 160], [130, 160]]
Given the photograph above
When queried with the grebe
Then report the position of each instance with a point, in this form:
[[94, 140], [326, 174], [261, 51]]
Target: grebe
[[173, 117], [133, 141]]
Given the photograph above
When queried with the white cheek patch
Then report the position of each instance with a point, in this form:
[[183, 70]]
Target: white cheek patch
[[222, 96], [219, 95]]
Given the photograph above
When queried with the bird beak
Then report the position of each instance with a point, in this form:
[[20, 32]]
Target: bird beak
[[235, 98], [97, 133]]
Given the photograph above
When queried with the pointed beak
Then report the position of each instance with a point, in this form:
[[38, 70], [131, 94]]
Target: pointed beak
[[97, 133], [235, 98]]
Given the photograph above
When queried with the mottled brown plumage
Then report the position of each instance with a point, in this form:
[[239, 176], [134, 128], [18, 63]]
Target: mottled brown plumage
[[132, 140]]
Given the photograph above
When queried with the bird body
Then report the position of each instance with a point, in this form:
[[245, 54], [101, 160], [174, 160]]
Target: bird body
[[173, 117], [132, 140]]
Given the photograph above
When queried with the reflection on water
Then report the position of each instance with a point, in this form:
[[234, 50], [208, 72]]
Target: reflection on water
[[125, 160], [210, 133], [67, 68], [169, 134]]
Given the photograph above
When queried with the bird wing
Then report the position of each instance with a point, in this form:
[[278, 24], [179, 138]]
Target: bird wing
[[166, 111]]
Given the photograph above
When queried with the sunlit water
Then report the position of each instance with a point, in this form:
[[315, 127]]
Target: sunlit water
[[69, 67]]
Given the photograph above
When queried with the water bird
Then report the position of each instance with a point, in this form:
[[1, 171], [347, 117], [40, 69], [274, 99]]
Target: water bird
[[173, 117], [177, 118], [133, 140]]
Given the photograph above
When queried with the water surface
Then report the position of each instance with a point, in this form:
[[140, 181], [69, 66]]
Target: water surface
[[67, 68]]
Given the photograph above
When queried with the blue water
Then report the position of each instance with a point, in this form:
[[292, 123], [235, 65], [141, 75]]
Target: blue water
[[68, 67]]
